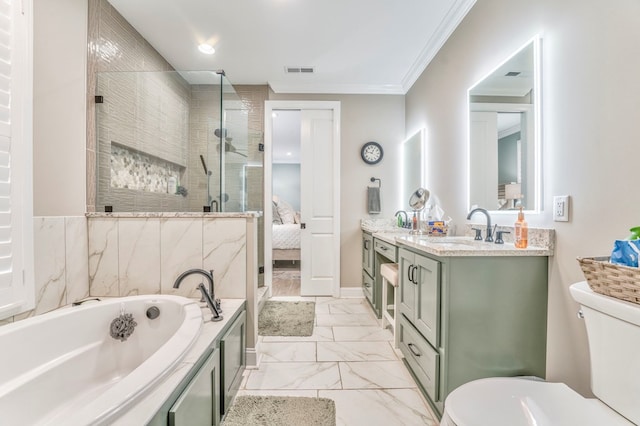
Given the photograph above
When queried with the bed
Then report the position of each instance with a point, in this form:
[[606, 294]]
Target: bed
[[285, 235]]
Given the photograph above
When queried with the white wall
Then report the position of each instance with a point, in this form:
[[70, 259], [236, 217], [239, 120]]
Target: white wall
[[59, 116], [591, 64], [363, 118]]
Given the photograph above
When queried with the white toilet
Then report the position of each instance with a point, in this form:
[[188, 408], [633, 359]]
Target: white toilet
[[613, 329]]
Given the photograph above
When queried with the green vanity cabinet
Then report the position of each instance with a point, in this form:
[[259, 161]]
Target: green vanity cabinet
[[369, 287], [470, 317], [232, 360]]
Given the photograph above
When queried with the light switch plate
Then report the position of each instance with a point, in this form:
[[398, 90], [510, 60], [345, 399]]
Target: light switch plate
[[561, 208]]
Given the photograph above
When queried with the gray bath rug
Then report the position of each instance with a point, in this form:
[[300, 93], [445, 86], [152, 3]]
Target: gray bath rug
[[281, 411], [279, 318]]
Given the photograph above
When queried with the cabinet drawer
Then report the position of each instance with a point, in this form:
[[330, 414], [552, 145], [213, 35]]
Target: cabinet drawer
[[421, 357], [385, 249]]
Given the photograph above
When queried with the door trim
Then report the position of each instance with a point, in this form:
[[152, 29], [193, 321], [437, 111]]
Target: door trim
[[268, 175]]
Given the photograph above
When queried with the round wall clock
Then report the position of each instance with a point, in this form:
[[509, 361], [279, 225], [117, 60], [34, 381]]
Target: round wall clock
[[371, 152]]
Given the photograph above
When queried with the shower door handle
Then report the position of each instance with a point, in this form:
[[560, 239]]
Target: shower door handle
[[303, 226]]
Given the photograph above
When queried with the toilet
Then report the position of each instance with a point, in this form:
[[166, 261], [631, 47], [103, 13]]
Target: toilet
[[613, 330]]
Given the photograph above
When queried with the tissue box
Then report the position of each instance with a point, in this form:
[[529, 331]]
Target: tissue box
[[437, 228]]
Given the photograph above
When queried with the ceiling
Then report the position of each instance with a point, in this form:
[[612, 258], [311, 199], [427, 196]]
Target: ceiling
[[353, 46]]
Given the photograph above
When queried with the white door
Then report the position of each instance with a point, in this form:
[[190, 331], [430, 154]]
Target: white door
[[318, 266]]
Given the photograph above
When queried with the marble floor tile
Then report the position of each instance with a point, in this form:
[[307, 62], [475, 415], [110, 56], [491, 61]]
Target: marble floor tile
[[339, 301], [390, 407], [362, 333], [331, 320], [322, 308], [375, 375], [356, 351], [288, 351], [295, 375], [286, 392], [320, 334], [349, 308]]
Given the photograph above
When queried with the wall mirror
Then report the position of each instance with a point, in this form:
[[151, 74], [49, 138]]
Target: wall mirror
[[412, 167], [504, 134]]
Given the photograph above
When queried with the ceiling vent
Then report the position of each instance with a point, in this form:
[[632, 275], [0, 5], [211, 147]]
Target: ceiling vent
[[299, 70], [512, 74]]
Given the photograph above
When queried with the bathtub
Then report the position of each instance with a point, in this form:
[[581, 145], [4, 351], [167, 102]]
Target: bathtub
[[64, 368]]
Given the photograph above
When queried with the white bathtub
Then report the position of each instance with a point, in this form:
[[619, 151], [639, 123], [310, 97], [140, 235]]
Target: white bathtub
[[64, 368]]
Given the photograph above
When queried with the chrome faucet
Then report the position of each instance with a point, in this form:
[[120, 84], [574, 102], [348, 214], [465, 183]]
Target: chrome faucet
[[406, 217], [489, 237], [207, 295]]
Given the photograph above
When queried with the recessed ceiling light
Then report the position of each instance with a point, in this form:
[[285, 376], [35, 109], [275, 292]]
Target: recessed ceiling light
[[207, 49], [274, 114], [289, 154]]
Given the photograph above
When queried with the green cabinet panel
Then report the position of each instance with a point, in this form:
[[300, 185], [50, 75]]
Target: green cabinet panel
[[232, 360], [479, 316], [367, 253], [198, 403]]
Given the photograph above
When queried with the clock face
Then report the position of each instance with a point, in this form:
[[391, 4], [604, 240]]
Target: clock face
[[371, 152]]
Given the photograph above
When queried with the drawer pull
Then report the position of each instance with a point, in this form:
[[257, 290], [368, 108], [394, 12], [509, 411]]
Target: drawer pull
[[383, 248], [412, 277], [366, 244], [413, 349], [409, 269], [367, 285]]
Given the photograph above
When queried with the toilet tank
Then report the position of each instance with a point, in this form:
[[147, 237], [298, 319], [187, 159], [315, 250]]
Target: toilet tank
[[613, 330]]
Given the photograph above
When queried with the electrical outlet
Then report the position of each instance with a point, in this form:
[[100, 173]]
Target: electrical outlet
[[561, 208]]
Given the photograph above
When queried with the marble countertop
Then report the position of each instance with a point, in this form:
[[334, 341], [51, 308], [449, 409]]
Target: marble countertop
[[174, 214], [467, 246], [146, 408]]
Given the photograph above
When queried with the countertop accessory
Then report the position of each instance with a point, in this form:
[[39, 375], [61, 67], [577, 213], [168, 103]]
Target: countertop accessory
[[371, 153], [604, 277], [417, 201]]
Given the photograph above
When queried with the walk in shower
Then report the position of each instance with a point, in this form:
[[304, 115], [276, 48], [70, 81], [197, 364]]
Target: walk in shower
[[174, 141]]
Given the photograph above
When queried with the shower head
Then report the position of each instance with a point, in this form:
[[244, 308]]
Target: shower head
[[220, 133]]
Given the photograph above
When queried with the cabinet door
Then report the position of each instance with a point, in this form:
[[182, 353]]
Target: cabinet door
[[407, 288], [198, 403], [427, 314], [232, 360], [367, 253]]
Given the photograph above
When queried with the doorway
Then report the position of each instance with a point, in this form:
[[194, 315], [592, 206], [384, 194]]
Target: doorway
[[319, 194]]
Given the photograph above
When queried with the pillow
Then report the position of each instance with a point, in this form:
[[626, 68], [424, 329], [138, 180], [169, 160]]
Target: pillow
[[276, 215], [296, 217], [286, 212]]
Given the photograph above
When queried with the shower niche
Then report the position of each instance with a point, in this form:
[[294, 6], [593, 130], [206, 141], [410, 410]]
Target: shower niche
[[172, 141]]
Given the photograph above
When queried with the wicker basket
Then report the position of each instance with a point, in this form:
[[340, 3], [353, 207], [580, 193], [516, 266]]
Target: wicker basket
[[621, 282]]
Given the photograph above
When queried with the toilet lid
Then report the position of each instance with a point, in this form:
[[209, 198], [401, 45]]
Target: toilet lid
[[513, 402]]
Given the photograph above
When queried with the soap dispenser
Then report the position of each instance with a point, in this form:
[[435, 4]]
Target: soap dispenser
[[521, 231]]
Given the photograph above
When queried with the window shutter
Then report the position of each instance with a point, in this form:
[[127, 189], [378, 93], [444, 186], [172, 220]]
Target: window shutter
[[6, 29]]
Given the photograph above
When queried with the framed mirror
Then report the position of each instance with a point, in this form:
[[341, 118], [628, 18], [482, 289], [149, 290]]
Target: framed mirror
[[412, 167], [504, 135]]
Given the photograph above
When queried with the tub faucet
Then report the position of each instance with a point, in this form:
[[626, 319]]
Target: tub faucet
[[405, 221], [207, 295], [489, 237]]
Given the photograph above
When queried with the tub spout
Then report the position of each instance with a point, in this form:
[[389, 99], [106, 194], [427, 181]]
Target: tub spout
[[208, 296]]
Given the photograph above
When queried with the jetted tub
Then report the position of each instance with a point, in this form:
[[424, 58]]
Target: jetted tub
[[64, 368]]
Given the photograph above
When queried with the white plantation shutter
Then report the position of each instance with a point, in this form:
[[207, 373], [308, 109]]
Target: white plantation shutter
[[16, 292]]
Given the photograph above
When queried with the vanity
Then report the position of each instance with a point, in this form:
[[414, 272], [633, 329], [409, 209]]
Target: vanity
[[469, 310]]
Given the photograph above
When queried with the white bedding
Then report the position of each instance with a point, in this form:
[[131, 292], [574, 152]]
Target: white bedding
[[286, 236]]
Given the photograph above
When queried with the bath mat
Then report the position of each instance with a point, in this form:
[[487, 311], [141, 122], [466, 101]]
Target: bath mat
[[281, 411], [279, 318]]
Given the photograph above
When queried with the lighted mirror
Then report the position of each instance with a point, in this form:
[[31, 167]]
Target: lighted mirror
[[504, 134], [412, 166]]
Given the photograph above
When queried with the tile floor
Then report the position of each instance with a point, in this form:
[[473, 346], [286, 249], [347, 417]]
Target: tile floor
[[349, 359]]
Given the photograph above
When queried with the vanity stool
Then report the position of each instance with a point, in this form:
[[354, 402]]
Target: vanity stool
[[389, 272]]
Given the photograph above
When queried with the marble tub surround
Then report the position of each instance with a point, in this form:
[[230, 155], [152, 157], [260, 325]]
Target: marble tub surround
[[143, 412], [355, 365], [144, 254], [60, 253]]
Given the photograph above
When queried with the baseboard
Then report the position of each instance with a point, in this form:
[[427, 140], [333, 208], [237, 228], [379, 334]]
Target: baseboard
[[351, 292], [253, 357]]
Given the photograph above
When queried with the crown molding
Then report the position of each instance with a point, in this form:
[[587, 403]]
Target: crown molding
[[451, 21]]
